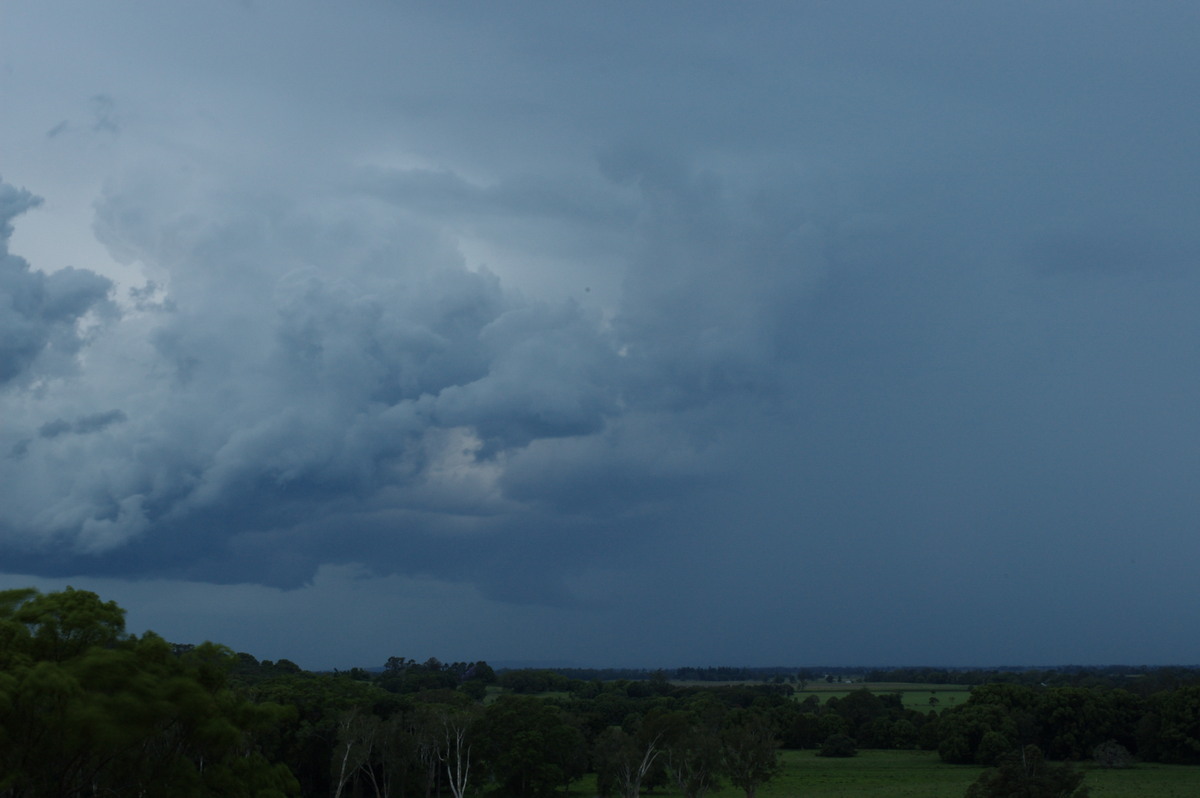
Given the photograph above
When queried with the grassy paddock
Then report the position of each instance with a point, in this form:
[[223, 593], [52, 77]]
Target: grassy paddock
[[1144, 781], [914, 695], [871, 774], [920, 774]]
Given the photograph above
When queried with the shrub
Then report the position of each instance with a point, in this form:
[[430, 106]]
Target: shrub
[[838, 745], [1111, 754], [1027, 774]]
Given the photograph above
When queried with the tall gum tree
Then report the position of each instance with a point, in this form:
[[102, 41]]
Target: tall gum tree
[[87, 709]]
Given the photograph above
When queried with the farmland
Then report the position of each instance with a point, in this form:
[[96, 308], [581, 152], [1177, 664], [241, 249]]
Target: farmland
[[916, 696], [461, 728], [920, 774]]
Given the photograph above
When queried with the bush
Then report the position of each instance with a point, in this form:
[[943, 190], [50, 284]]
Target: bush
[[1027, 774], [1111, 754], [993, 746], [838, 745]]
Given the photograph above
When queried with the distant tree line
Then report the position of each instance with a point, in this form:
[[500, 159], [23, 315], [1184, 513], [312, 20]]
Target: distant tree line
[[88, 710], [402, 732], [1111, 725], [1143, 680], [694, 674]]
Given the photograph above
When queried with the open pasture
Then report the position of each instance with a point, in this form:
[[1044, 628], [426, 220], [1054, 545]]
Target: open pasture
[[871, 774], [920, 774], [914, 695]]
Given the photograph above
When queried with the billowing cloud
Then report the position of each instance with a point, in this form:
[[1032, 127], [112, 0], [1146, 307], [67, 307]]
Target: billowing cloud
[[40, 314], [324, 376], [81, 426], [299, 357], [827, 325]]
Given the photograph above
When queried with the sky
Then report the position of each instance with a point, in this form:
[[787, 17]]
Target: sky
[[607, 334]]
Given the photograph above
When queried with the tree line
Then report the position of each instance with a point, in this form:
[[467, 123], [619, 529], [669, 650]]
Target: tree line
[[1140, 679], [721, 673], [87, 710]]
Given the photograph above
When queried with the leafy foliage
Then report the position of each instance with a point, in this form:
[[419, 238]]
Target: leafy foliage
[[86, 709], [751, 750], [1026, 774], [1111, 754], [531, 747], [841, 745]]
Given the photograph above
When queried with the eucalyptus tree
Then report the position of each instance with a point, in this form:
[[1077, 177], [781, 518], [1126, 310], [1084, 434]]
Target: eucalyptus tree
[[86, 709], [529, 747], [751, 749], [691, 743]]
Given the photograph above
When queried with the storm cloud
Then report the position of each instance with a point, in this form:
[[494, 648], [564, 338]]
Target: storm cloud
[[690, 333], [41, 313]]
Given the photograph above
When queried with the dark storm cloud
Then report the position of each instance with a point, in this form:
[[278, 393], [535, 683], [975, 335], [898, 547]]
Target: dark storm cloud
[[52, 429], [717, 285], [81, 426], [408, 398], [397, 381], [551, 374], [39, 313], [862, 331]]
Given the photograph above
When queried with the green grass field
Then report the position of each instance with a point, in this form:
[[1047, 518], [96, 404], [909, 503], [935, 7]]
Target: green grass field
[[1144, 781], [871, 774], [920, 774], [914, 695]]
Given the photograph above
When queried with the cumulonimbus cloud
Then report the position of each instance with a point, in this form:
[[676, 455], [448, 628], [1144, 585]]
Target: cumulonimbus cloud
[[311, 366], [41, 313]]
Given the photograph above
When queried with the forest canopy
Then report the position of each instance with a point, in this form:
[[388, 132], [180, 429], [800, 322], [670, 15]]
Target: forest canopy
[[87, 709]]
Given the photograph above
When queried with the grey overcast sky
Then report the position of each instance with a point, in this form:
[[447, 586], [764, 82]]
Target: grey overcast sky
[[614, 333]]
